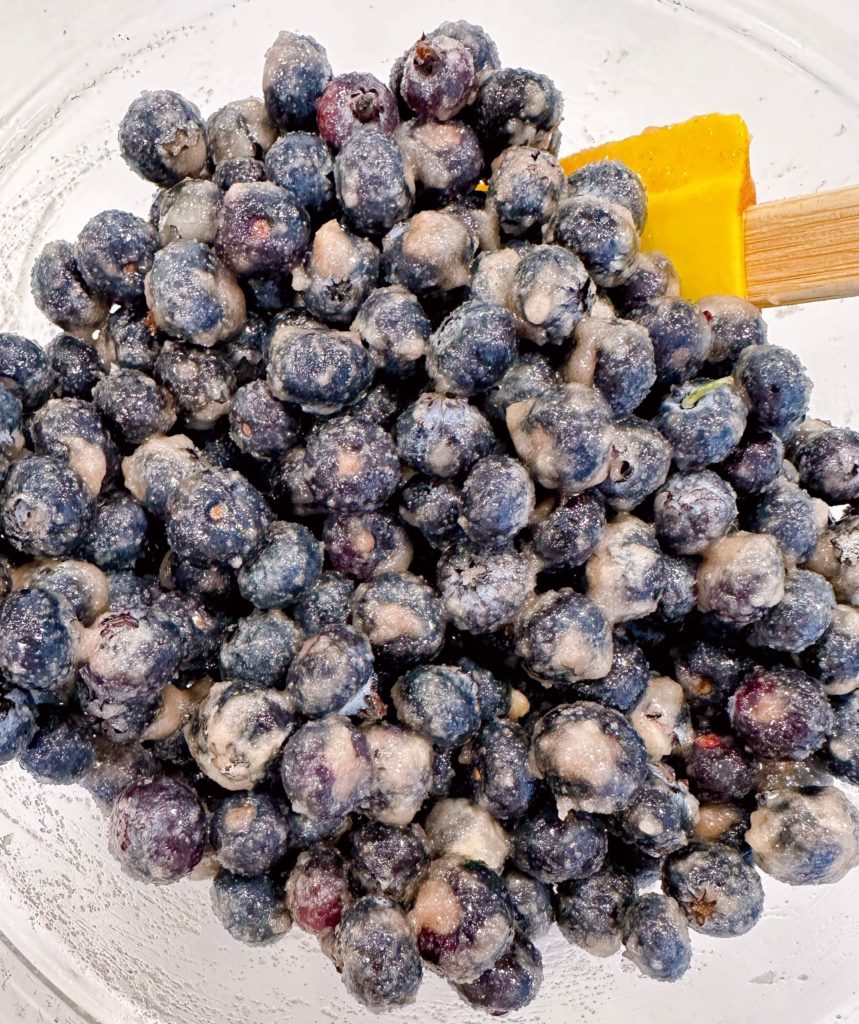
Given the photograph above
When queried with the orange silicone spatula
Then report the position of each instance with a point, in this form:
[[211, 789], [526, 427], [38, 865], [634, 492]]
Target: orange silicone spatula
[[702, 213]]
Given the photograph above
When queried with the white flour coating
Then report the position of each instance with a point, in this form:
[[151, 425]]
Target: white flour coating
[[494, 275], [740, 576], [156, 452], [660, 717], [391, 621], [177, 706], [618, 566], [402, 762], [845, 619], [462, 828], [439, 239], [191, 213], [714, 821], [581, 751]]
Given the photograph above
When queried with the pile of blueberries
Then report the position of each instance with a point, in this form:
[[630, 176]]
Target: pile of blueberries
[[408, 556]]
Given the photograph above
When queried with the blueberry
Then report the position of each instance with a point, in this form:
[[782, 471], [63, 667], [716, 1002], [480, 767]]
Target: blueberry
[[45, 507], [17, 723], [438, 701], [835, 559], [692, 510], [494, 694], [805, 836], [25, 370], [379, 404], [626, 680], [475, 929], [402, 773], [193, 296], [515, 107], [61, 752], [300, 163], [656, 937], [703, 420], [260, 648], [800, 618], [288, 561], [330, 671], [600, 232], [162, 138], [720, 769], [388, 859], [679, 588], [363, 544], [709, 673], [317, 890], [249, 833], [157, 830], [528, 376], [554, 850], [240, 130], [430, 253], [201, 383], [719, 893], [188, 211], [562, 638], [786, 512], [532, 904], [472, 349], [235, 172], [376, 954], [295, 75], [261, 230], [289, 486], [156, 468], [442, 436], [754, 463], [828, 463], [305, 832], [114, 768], [245, 352], [260, 425], [438, 77], [549, 294], [251, 909], [114, 252], [590, 910], [652, 277], [525, 187], [444, 158], [133, 339], [497, 500], [624, 574], [215, 517], [483, 590], [563, 436], [327, 768], [320, 370], [352, 101], [591, 755], [373, 187], [200, 629], [842, 749], [393, 326], [350, 465], [741, 577], [211, 581], [340, 271], [503, 780], [616, 356], [723, 823], [511, 983], [662, 719], [639, 463], [735, 324], [680, 334], [569, 534], [834, 659], [325, 603], [613, 181], [495, 268], [660, 817], [777, 386], [134, 404], [443, 773], [780, 713], [59, 290], [461, 828], [78, 366], [81, 585], [11, 433], [432, 507], [127, 590]]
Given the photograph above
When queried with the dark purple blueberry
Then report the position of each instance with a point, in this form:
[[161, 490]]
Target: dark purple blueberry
[[61, 752], [444, 158], [237, 172], [741, 576], [502, 778], [600, 232], [340, 271], [787, 512], [638, 464], [777, 386], [532, 904], [549, 295], [612, 180], [402, 773], [703, 420], [679, 587], [735, 324], [554, 850], [472, 349], [260, 648], [438, 77], [350, 465], [352, 101], [326, 769], [240, 130], [497, 500], [300, 163], [692, 510], [562, 638], [660, 817], [287, 562], [622, 687], [71, 429], [158, 830], [249, 833], [528, 376], [388, 859], [326, 603], [260, 425], [59, 290], [828, 463], [525, 187], [590, 910], [245, 352], [317, 890], [442, 436], [515, 107], [363, 544], [800, 618], [719, 768], [431, 253], [81, 585], [477, 41], [330, 671], [134, 404], [652, 277], [394, 327], [656, 937], [162, 138], [719, 892], [617, 357], [373, 187], [17, 723], [251, 909], [834, 659], [78, 366], [432, 507], [439, 702], [261, 230], [511, 983], [709, 673], [45, 507], [133, 339], [680, 334], [754, 463], [156, 468], [569, 534], [295, 75], [114, 768], [114, 252], [484, 588], [25, 370], [200, 381]]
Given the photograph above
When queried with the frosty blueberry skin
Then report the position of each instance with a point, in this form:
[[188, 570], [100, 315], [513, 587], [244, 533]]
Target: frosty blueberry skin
[[11, 433], [327, 768], [652, 277], [515, 107], [617, 357], [681, 337], [234, 172], [325, 603], [741, 576], [532, 904], [134, 404], [626, 680], [438, 77], [826, 460], [163, 139], [251, 909], [571, 739], [511, 983], [590, 910], [239, 130], [402, 773], [260, 425], [61, 752], [483, 590], [624, 574], [114, 768], [502, 778], [330, 670], [554, 850], [787, 512], [834, 659], [461, 828], [800, 618], [527, 377], [461, 918], [432, 507], [363, 544], [351, 465], [563, 637], [638, 465], [438, 701], [614, 181], [431, 253], [781, 713], [703, 420], [249, 833], [215, 517], [472, 349], [200, 382], [301, 163], [353, 101], [394, 327], [735, 324], [287, 562], [660, 818], [17, 723], [497, 500], [805, 836], [45, 507], [842, 748], [295, 75], [114, 252], [442, 436], [525, 186], [692, 510], [317, 890], [444, 158], [261, 230], [719, 893], [388, 859], [777, 386], [157, 830], [600, 232], [656, 937], [188, 211], [549, 294], [719, 769], [132, 339], [191, 295], [754, 463], [200, 629], [373, 187], [569, 534], [157, 467], [339, 272], [77, 364], [82, 585], [376, 954], [260, 648], [709, 673], [25, 370], [59, 290]]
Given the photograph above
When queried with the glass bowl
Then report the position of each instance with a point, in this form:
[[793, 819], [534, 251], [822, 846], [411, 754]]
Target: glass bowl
[[80, 942]]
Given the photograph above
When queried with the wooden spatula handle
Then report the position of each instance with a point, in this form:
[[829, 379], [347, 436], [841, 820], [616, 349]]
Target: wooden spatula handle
[[804, 249]]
